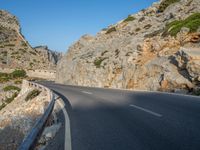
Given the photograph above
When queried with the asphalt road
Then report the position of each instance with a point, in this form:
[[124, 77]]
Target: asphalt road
[[105, 119]]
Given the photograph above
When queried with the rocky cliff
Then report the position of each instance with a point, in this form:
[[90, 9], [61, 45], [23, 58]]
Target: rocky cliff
[[156, 49], [48, 55], [15, 51]]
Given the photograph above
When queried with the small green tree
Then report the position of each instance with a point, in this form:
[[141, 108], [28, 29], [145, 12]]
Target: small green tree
[[18, 74]]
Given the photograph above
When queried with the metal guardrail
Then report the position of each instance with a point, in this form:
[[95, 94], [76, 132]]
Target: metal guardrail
[[33, 136]]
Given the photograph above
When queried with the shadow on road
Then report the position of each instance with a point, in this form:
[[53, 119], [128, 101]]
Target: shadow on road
[[58, 142], [68, 106]]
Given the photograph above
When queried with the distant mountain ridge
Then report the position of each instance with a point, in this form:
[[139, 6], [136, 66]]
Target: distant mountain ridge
[[151, 50], [16, 52]]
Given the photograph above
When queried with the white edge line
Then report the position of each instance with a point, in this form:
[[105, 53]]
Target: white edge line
[[87, 92], [68, 145], [146, 110]]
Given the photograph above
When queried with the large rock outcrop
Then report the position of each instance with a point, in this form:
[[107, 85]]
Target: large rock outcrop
[[48, 55], [189, 59], [139, 52], [15, 51], [18, 117]]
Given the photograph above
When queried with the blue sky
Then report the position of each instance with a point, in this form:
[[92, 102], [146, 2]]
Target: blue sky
[[59, 23]]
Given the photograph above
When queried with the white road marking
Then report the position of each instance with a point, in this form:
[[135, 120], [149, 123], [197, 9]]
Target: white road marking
[[87, 92], [146, 110], [68, 145]]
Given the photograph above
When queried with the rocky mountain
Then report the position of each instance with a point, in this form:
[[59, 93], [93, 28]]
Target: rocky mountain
[[48, 55], [15, 51], [156, 49]]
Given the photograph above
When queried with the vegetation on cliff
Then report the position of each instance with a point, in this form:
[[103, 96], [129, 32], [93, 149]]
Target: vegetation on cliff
[[16, 52], [11, 88], [139, 57], [32, 94], [8, 100], [165, 3], [98, 61], [17, 74], [192, 22], [110, 30], [129, 18]]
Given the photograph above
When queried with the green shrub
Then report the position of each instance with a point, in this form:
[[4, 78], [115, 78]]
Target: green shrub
[[34, 53], [18, 57], [18, 74], [22, 50], [154, 33], [15, 53], [147, 26], [18, 82], [3, 74], [110, 30], [9, 100], [104, 29], [2, 106], [9, 45], [137, 29], [192, 22], [32, 94], [98, 61], [128, 53], [102, 54], [117, 52], [11, 88], [129, 18], [31, 64], [24, 44], [4, 77], [164, 4], [141, 19], [4, 53], [189, 3]]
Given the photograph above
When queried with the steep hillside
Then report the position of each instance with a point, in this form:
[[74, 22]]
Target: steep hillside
[[156, 49], [48, 55], [15, 51]]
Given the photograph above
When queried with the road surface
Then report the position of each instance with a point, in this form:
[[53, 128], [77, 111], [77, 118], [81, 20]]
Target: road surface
[[106, 119]]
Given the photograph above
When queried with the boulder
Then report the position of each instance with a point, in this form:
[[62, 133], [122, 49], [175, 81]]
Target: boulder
[[189, 59]]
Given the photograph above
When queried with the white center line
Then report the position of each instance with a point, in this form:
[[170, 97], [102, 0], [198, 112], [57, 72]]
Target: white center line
[[146, 110], [87, 92]]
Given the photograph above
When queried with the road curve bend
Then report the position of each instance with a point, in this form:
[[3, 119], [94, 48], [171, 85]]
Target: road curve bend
[[107, 119]]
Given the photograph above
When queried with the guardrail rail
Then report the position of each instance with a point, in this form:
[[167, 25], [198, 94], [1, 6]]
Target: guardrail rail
[[33, 136]]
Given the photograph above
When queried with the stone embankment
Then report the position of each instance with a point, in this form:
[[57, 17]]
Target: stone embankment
[[18, 118], [42, 74]]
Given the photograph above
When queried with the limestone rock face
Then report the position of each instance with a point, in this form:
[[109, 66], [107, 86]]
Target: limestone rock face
[[9, 21], [189, 59], [135, 53], [19, 117], [15, 51], [49, 55]]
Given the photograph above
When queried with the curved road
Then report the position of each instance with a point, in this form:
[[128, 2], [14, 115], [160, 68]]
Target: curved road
[[105, 119]]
